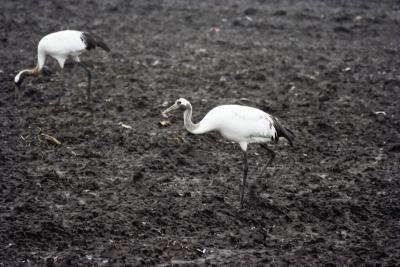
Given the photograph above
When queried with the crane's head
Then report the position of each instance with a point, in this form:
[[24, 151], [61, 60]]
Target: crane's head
[[19, 78], [181, 104]]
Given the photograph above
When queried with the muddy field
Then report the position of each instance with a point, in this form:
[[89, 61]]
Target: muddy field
[[122, 189]]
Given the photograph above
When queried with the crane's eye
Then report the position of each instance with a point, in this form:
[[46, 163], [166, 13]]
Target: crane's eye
[[179, 102]]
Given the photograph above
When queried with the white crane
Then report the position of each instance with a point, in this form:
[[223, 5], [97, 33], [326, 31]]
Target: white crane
[[61, 46], [241, 124]]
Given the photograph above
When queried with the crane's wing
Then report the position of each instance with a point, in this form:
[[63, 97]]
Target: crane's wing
[[262, 124]]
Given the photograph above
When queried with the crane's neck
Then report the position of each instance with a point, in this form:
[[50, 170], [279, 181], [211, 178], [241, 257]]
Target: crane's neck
[[27, 72], [41, 58], [36, 70], [189, 125]]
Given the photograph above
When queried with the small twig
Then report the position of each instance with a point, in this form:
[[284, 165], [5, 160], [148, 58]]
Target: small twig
[[50, 139], [124, 125], [47, 137]]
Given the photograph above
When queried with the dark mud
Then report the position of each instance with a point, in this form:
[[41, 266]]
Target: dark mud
[[153, 195]]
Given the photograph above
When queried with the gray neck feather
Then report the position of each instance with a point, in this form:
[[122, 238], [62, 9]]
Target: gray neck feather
[[187, 119]]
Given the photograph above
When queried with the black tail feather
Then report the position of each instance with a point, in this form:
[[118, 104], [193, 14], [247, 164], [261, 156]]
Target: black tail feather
[[289, 135], [92, 41], [282, 131]]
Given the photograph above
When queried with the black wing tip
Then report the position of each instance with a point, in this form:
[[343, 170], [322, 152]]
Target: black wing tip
[[289, 136], [92, 41], [106, 48], [282, 131]]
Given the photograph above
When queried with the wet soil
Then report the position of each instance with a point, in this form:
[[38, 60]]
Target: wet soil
[[124, 190]]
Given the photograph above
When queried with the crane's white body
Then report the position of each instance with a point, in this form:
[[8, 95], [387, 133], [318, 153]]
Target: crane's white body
[[241, 124], [61, 45]]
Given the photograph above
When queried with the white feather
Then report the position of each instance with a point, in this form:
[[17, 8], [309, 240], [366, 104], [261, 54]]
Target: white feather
[[61, 45], [240, 124]]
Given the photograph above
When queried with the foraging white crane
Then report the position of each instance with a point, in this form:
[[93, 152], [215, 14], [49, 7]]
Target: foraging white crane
[[61, 46], [241, 124]]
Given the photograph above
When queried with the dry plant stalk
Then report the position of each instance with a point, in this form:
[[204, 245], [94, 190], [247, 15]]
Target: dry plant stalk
[[49, 138]]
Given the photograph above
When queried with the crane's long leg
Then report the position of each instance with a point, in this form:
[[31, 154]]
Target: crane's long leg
[[62, 87], [89, 75], [256, 180], [243, 184], [272, 153]]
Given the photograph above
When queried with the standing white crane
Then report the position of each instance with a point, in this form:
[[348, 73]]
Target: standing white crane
[[241, 124], [61, 46]]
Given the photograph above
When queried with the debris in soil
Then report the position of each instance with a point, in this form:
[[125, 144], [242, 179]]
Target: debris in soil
[[165, 123], [46, 137], [124, 125]]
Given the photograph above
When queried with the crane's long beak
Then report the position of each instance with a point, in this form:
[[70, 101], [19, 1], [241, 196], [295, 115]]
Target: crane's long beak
[[170, 109]]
